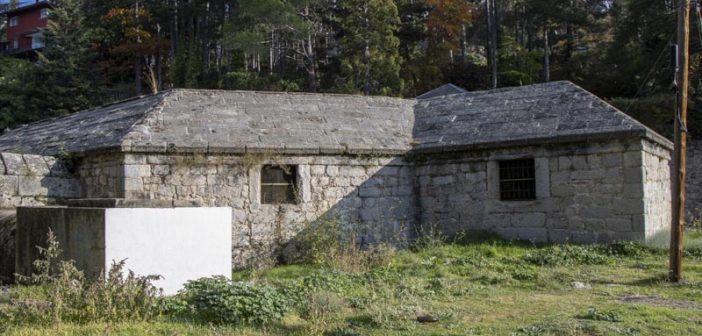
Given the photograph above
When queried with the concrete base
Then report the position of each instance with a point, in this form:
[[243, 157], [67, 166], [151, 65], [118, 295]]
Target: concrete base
[[180, 244]]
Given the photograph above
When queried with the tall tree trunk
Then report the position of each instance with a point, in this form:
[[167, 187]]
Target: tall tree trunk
[[312, 66], [492, 40], [137, 75], [270, 53], [366, 56], [174, 32], [159, 67], [547, 61], [464, 57]]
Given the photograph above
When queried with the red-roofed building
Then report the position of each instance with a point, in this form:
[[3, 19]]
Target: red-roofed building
[[25, 24]]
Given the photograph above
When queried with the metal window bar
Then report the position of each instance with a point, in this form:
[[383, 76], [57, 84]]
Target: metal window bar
[[517, 180], [278, 184]]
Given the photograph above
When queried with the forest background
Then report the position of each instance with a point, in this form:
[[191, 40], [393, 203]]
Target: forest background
[[103, 51]]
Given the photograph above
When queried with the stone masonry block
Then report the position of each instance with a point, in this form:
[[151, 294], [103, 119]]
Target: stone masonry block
[[633, 175], [9, 185], [133, 184], [56, 167], [137, 170], [611, 160], [14, 164], [533, 234], [632, 159], [533, 220], [628, 206], [31, 186], [35, 165]]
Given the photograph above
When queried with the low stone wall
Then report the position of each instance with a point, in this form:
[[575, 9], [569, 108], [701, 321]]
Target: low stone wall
[[30, 180], [588, 192]]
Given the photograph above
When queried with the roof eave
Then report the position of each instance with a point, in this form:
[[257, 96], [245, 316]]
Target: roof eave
[[562, 139]]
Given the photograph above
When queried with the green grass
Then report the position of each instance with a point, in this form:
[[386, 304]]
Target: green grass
[[485, 288]]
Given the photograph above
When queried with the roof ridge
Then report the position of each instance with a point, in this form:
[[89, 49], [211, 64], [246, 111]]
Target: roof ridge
[[504, 89], [295, 93], [157, 107]]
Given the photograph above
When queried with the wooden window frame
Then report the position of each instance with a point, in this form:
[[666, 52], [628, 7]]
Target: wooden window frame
[[13, 21], [290, 173], [517, 180]]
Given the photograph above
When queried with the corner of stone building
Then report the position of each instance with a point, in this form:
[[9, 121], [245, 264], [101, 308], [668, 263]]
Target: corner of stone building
[[656, 181]]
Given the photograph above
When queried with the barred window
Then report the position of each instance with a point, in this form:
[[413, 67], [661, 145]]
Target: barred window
[[278, 184], [517, 180]]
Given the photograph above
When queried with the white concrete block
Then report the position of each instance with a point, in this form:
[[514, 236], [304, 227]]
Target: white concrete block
[[180, 244]]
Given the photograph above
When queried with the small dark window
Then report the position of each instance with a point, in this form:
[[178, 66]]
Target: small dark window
[[278, 184], [517, 180]]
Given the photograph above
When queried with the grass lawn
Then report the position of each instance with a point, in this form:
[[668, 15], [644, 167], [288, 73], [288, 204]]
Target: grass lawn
[[484, 288]]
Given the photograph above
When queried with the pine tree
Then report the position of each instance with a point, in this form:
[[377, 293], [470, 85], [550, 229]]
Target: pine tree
[[369, 57], [61, 80]]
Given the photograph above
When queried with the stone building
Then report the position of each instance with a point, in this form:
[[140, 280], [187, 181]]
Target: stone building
[[546, 162]]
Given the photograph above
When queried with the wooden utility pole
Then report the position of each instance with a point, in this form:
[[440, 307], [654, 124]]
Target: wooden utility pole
[[678, 173]]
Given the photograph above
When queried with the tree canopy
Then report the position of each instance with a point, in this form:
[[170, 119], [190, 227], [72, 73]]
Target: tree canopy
[[101, 51]]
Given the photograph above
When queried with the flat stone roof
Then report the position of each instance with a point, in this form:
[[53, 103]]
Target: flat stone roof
[[215, 121]]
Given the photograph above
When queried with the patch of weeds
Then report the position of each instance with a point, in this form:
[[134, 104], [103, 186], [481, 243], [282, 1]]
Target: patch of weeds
[[391, 316], [553, 327], [220, 300], [60, 293], [524, 273], [342, 331], [68, 160], [190, 160], [358, 302], [327, 280], [695, 252], [319, 309], [629, 249], [567, 255], [474, 237], [597, 315], [327, 242], [429, 237], [492, 278]]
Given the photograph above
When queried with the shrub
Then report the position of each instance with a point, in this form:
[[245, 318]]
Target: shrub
[[61, 293], [567, 255], [429, 237], [220, 300], [627, 249], [320, 308], [328, 243]]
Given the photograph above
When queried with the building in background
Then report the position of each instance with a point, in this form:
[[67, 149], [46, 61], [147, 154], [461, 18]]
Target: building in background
[[25, 24]]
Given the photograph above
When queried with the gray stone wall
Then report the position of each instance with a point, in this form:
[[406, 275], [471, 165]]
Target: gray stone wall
[[693, 186], [374, 195], [585, 193], [102, 176], [28, 180], [657, 193], [31, 180]]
